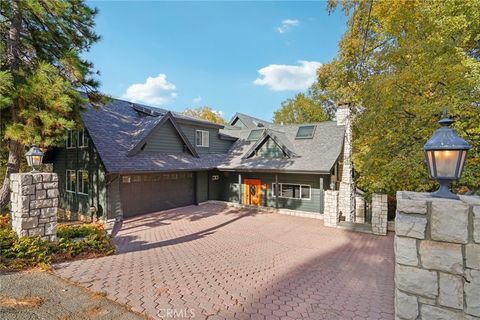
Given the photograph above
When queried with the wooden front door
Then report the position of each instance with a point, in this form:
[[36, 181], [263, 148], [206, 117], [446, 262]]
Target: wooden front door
[[252, 192]]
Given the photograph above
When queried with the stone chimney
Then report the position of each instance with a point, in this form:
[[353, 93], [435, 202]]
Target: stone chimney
[[347, 186]]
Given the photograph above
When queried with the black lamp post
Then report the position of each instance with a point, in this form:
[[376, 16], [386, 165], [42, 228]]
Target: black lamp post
[[445, 153], [34, 158]]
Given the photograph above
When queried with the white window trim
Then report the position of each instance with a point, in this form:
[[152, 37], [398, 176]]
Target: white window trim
[[66, 180], [80, 181], [208, 138], [72, 132], [293, 184], [80, 143]]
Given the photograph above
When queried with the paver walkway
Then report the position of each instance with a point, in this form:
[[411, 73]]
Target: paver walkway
[[214, 262]]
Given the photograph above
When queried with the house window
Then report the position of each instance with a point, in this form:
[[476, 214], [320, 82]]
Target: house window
[[83, 181], [71, 181], [305, 132], [71, 139], [255, 134], [202, 139], [293, 191], [82, 139], [126, 179]]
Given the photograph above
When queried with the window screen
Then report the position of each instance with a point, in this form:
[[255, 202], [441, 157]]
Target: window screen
[[305, 132], [83, 181], [255, 135], [202, 139], [71, 181]]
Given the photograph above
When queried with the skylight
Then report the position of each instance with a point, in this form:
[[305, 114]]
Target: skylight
[[305, 132], [255, 135]]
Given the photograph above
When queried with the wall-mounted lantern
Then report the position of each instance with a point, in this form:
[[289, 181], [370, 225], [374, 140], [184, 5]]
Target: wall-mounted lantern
[[445, 153], [34, 158]]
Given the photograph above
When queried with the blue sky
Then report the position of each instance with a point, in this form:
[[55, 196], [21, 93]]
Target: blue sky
[[231, 56]]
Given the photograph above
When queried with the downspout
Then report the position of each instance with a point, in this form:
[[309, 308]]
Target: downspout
[[276, 191]]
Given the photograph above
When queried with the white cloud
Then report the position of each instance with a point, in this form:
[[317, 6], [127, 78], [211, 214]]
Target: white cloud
[[197, 99], [281, 77], [155, 91], [287, 25]]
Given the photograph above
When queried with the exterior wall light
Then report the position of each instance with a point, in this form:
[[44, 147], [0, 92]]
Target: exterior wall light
[[34, 158], [445, 153]]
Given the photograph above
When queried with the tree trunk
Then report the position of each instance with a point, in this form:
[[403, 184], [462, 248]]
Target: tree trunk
[[14, 154], [13, 59]]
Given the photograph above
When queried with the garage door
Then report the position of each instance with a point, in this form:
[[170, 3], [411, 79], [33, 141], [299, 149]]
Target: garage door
[[154, 192]]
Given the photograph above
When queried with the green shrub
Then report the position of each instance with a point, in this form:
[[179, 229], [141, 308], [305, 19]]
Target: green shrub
[[85, 240]]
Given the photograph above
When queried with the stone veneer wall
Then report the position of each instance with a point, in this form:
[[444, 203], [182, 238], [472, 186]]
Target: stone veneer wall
[[437, 257], [347, 186], [331, 213], [359, 209], [379, 213], [34, 198]]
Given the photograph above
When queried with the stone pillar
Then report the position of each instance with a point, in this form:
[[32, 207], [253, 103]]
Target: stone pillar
[[347, 186], [34, 198], [379, 213], [359, 209], [331, 212], [437, 257]]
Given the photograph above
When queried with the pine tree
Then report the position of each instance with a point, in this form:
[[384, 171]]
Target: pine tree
[[42, 74]]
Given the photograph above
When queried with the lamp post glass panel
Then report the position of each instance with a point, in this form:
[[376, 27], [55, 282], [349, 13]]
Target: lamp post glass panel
[[34, 158], [445, 153]]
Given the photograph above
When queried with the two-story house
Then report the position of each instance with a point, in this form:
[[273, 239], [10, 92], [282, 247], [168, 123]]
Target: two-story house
[[132, 159]]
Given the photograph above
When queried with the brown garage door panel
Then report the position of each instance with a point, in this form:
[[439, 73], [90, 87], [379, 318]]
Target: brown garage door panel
[[156, 192]]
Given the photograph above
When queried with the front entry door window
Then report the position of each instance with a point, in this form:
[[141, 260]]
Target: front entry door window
[[252, 192]]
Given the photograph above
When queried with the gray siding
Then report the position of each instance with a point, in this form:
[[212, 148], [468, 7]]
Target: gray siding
[[76, 159], [229, 189], [217, 145], [165, 139], [114, 200]]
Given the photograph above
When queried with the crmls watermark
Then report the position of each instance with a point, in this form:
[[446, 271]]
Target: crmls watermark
[[176, 313]]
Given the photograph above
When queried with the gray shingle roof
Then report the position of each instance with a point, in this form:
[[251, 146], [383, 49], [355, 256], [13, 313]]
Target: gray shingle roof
[[249, 121], [117, 127], [120, 125], [318, 154]]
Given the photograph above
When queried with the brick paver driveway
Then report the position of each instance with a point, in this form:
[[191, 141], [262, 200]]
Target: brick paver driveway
[[214, 262]]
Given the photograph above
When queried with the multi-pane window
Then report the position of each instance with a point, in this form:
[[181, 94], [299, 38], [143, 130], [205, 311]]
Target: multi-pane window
[[71, 139], [202, 138], [83, 181], [71, 181], [82, 139], [255, 134], [293, 191], [305, 132]]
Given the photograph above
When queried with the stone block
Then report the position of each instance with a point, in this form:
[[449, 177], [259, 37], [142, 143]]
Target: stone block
[[54, 177], [430, 301], [27, 190], [48, 212], [34, 212], [52, 193], [25, 178], [472, 255], [36, 232], [476, 224], [50, 185], [14, 185], [43, 220], [441, 256], [28, 223], [406, 251], [41, 194], [451, 291], [449, 221], [406, 306], [472, 292], [45, 203], [437, 313], [50, 228], [24, 203], [37, 178], [412, 206], [416, 281], [39, 186], [410, 226], [47, 177]]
